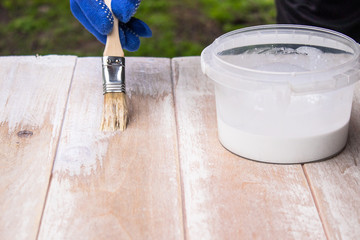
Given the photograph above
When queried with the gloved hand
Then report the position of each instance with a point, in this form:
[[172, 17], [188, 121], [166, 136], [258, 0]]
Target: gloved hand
[[97, 19]]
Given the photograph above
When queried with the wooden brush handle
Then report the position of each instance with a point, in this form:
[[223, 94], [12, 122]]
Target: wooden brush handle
[[113, 45]]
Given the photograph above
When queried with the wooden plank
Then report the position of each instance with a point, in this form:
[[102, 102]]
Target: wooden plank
[[225, 196], [33, 96], [117, 185], [336, 184]]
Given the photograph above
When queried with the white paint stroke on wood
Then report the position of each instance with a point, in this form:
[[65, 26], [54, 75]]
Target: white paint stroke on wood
[[336, 183], [82, 143], [225, 195], [81, 136], [33, 96], [122, 185]]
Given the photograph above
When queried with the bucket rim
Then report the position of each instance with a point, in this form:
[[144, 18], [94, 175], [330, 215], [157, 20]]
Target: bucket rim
[[215, 67]]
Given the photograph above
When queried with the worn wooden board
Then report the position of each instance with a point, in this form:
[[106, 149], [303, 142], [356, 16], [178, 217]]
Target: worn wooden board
[[117, 185], [128, 185], [225, 196], [336, 184], [33, 96]]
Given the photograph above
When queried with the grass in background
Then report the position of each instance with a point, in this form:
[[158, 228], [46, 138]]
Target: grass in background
[[180, 27]]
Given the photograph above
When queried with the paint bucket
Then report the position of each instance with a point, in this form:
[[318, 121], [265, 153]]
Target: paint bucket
[[283, 92]]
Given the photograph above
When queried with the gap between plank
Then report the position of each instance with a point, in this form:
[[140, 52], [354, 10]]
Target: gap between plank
[[183, 206], [56, 149], [307, 177]]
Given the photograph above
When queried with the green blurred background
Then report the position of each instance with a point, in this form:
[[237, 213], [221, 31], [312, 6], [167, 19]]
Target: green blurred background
[[180, 27]]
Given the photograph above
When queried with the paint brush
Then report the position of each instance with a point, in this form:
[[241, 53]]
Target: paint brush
[[115, 111]]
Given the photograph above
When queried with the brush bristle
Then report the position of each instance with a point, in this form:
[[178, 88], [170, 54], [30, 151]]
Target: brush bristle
[[115, 112]]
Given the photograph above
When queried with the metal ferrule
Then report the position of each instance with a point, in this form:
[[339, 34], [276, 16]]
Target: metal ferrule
[[113, 69]]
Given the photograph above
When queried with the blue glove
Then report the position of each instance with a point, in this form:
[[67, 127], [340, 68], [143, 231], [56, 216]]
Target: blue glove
[[97, 19]]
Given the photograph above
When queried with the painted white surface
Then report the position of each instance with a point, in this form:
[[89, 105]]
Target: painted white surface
[[33, 97], [120, 185]]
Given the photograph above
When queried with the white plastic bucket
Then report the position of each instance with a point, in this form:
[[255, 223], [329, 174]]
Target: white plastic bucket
[[283, 92]]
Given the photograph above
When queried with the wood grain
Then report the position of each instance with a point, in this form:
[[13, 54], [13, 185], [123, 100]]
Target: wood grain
[[336, 184], [225, 196], [33, 96], [166, 177], [122, 185]]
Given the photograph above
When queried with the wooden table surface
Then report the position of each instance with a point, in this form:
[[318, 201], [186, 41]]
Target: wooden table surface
[[166, 176]]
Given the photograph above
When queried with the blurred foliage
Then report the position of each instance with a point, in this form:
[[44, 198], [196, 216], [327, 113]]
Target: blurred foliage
[[180, 27], [238, 14]]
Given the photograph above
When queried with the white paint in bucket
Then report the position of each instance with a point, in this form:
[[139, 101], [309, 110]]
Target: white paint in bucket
[[283, 92]]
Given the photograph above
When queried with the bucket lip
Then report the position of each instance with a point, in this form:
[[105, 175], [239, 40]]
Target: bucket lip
[[218, 41]]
